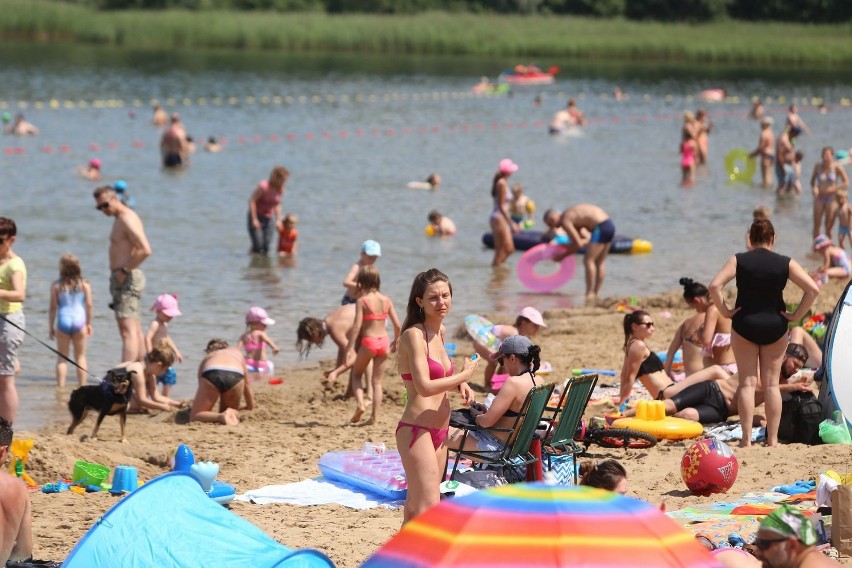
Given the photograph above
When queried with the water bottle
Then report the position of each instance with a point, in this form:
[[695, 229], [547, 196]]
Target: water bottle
[[373, 448]]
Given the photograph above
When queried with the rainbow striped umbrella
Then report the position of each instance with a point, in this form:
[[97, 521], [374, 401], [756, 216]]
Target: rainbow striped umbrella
[[536, 525]]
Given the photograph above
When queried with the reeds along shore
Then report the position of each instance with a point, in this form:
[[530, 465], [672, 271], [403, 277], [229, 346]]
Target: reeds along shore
[[519, 37]]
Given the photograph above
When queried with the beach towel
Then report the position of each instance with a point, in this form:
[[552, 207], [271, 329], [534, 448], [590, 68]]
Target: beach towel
[[318, 491]]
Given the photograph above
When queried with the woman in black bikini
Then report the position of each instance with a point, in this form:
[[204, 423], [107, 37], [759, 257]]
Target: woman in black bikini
[[760, 320], [221, 376]]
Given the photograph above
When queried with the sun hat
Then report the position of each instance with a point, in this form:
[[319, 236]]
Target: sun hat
[[95, 163], [371, 248], [168, 304], [507, 166], [767, 121], [513, 345], [119, 186], [821, 241], [533, 315], [256, 314], [788, 521]]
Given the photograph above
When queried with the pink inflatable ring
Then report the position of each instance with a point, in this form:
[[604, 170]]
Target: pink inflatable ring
[[541, 282]]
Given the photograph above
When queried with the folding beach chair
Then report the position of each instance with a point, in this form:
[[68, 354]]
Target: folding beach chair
[[516, 452], [567, 415]]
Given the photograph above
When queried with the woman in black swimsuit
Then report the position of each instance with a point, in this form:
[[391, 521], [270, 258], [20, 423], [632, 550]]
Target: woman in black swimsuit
[[760, 319], [221, 376]]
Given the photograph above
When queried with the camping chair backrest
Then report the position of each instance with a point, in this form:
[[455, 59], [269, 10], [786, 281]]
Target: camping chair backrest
[[575, 398], [530, 415]]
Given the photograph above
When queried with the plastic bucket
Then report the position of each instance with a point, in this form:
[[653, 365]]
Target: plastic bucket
[[91, 473], [124, 479]]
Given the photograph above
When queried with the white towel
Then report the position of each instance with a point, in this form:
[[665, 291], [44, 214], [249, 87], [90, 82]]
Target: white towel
[[318, 491]]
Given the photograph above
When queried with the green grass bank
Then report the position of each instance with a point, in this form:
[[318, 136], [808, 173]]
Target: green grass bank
[[432, 34]]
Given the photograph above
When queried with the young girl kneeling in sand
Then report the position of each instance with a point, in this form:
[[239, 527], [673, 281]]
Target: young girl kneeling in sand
[[371, 311]]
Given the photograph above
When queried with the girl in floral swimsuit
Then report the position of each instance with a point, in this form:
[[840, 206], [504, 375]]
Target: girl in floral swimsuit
[[428, 375]]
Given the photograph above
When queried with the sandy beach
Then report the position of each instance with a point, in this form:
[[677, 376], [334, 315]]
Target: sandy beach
[[297, 422]]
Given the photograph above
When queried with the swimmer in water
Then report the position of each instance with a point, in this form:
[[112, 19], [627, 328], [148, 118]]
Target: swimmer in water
[[91, 171], [441, 225], [432, 182], [212, 145]]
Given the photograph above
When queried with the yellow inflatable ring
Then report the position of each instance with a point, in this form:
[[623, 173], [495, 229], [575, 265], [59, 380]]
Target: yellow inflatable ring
[[651, 418], [740, 166]]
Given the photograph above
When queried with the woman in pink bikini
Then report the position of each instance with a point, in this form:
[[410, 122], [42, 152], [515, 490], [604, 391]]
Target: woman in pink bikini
[[371, 311], [428, 374], [827, 179]]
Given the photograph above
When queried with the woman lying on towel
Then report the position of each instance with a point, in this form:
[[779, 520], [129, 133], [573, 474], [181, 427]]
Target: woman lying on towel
[[518, 356]]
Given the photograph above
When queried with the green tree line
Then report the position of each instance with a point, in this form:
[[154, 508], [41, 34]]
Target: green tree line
[[801, 11]]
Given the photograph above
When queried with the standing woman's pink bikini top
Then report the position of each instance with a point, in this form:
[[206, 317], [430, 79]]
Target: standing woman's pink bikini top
[[436, 370]]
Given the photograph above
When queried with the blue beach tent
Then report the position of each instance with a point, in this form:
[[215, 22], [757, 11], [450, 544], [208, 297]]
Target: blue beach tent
[[170, 521]]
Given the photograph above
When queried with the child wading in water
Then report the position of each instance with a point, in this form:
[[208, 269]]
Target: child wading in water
[[166, 307], [70, 316], [255, 340], [371, 311]]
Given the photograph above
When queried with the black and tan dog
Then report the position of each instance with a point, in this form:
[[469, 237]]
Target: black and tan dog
[[109, 398]]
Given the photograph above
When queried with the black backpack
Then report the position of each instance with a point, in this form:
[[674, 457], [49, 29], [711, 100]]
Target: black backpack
[[801, 414]]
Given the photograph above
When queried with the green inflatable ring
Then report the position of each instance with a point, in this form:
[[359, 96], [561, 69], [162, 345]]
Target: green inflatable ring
[[740, 166]]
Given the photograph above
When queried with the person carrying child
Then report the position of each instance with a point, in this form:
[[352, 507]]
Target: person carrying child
[[70, 317], [287, 235], [255, 340], [370, 252], [371, 312], [166, 307]]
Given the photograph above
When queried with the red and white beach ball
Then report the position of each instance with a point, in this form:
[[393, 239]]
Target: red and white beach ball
[[709, 466]]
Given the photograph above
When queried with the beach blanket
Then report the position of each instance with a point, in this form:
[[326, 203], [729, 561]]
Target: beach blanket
[[733, 431], [606, 393], [317, 491], [717, 521]]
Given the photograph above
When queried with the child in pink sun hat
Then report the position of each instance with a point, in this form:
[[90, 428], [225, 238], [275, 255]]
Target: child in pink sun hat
[[835, 262], [255, 340], [167, 309]]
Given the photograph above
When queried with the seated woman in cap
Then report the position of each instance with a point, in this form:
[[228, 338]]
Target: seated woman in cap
[[528, 322], [519, 357]]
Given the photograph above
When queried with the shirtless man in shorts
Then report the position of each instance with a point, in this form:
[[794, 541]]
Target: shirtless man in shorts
[[174, 147], [128, 249], [714, 400], [598, 232], [16, 536]]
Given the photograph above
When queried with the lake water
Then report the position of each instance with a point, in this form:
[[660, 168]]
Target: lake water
[[353, 131]]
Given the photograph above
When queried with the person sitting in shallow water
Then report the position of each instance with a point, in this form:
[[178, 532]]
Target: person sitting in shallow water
[[221, 376]]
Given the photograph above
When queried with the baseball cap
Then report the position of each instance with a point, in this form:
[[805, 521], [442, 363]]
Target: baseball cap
[[821, 241], [256, 314], [513, 345], [371, 248], [507, 166], [533, 315], [168, 304], [95, 163], [120, 185], [788, 521]]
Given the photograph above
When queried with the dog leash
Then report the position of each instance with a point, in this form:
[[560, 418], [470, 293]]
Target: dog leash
[[70, 360]]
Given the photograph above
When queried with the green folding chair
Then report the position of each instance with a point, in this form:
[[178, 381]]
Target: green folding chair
[[516, 451], [567, 415]]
